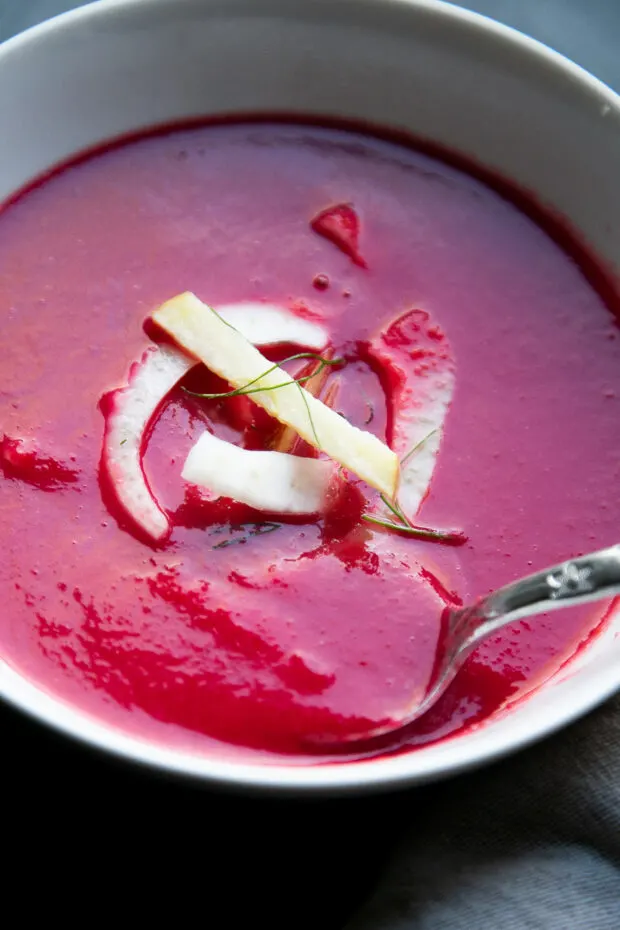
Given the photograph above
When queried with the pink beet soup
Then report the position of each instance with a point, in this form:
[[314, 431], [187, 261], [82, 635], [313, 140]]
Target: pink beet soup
[[243, 635]]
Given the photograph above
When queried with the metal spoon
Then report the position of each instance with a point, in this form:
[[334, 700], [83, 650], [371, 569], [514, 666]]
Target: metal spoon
[[589, 578]]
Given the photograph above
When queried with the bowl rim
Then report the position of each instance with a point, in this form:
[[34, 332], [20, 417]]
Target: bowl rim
[[588, 687]]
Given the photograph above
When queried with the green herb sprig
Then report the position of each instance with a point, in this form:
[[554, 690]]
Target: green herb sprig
[[452, 537], [402, 524], [250, 389]]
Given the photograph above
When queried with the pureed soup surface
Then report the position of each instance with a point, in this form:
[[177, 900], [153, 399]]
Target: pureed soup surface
[[245, 636]]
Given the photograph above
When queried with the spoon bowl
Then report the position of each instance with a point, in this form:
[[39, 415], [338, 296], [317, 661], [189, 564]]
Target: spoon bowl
[[591, 577]]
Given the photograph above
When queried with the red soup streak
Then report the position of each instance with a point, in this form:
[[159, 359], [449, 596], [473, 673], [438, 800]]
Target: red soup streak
[[244, 636], [340, 224]]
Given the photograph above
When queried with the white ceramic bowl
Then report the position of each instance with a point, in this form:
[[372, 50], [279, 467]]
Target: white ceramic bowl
[[423, 66]]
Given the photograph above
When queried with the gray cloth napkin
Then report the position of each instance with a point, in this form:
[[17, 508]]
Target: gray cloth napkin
[[532, 843]]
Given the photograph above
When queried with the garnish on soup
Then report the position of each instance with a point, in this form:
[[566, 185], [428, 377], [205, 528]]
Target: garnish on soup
[[200, 331]]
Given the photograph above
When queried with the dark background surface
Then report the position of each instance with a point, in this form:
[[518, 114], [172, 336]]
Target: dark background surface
[[86, 837]]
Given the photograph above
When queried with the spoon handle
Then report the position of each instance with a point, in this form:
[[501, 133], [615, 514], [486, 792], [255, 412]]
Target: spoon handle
[[590, 577]]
